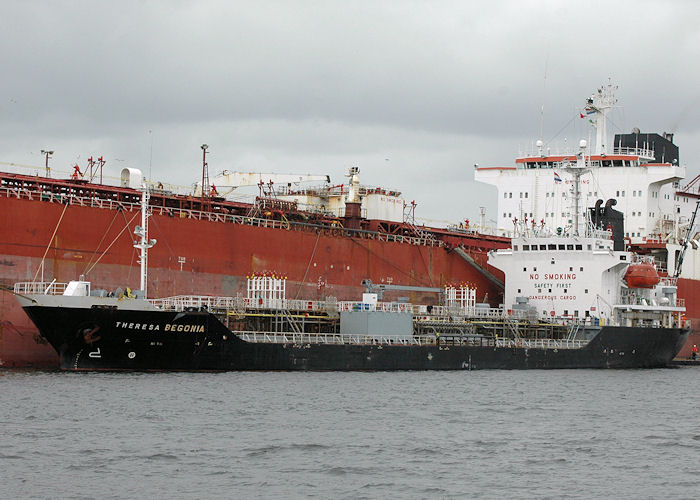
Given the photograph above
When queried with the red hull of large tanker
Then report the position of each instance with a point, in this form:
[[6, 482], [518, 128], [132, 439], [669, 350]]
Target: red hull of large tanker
[[689, 290], [218, 256]]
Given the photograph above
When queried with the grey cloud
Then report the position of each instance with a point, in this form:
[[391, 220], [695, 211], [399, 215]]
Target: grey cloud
[[312, 86]]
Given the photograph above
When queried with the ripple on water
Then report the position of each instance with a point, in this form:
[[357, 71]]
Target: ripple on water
[[351, 435]]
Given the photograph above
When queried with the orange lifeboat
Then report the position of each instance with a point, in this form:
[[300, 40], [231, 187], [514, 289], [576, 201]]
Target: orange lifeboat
[[641, 275]]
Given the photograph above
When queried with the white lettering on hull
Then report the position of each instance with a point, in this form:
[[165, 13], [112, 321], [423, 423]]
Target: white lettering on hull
[[152, 327]]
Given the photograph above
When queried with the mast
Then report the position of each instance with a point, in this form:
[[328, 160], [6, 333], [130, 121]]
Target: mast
[[144, 243], [600, 104], [577, 170]]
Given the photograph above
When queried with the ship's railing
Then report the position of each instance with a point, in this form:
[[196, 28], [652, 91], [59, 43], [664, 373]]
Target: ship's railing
[[333, 338], [183, 302], [183, 213], [420, 312], [446, 313], [642, 152], [40, 288], [542, 343], [669, 281], [422, 340], [398, 307]]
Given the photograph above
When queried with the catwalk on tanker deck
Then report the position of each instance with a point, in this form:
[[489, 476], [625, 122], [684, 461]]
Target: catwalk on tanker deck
[[632, 318]]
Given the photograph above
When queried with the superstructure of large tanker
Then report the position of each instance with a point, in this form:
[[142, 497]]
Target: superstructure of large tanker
[[325, 239]]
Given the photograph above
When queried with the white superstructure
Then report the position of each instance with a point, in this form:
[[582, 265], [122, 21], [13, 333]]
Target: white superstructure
[[647, 188], [576, 272], [376, 203], [582, 278]]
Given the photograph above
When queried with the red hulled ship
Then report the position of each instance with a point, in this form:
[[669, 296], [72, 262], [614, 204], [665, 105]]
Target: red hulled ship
[[326, 240]]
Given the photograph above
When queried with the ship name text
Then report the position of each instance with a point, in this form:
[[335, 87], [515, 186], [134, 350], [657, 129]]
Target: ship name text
[[152, 327]]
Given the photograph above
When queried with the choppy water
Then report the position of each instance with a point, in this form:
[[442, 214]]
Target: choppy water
[[490, 434]]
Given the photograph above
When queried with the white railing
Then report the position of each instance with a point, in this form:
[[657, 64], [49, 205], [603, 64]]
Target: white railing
[[437, 313], [542, 343], [182, 302], [40, 288], [642, 152], [332, 338], [397, 307], [183, 213], [423, 340]]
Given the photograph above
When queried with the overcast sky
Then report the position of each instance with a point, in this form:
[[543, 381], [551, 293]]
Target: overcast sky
[[413, 93]]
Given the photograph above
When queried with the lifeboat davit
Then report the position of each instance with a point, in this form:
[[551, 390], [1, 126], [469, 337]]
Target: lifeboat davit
[[641, 275]]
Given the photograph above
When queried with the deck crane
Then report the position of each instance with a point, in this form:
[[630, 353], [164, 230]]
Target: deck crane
[[688, 236]]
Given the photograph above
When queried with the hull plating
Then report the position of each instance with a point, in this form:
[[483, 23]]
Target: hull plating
[[103, 339]]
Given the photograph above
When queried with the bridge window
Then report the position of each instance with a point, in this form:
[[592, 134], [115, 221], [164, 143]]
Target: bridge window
[[562, 247], [543, 247], [526, 247], [569, 247], [579, 247]]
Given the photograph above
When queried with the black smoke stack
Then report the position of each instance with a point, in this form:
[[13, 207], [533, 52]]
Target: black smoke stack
[[607, 218]]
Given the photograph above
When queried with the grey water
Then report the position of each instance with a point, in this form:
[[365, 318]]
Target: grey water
[[488, 434]]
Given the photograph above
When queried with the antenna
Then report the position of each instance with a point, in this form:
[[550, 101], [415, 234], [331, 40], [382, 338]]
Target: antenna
[[205, 170], [544, 93], [150, 157]]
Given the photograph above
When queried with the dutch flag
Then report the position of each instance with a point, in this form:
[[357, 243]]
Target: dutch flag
[[589, 110], [556, 177]]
